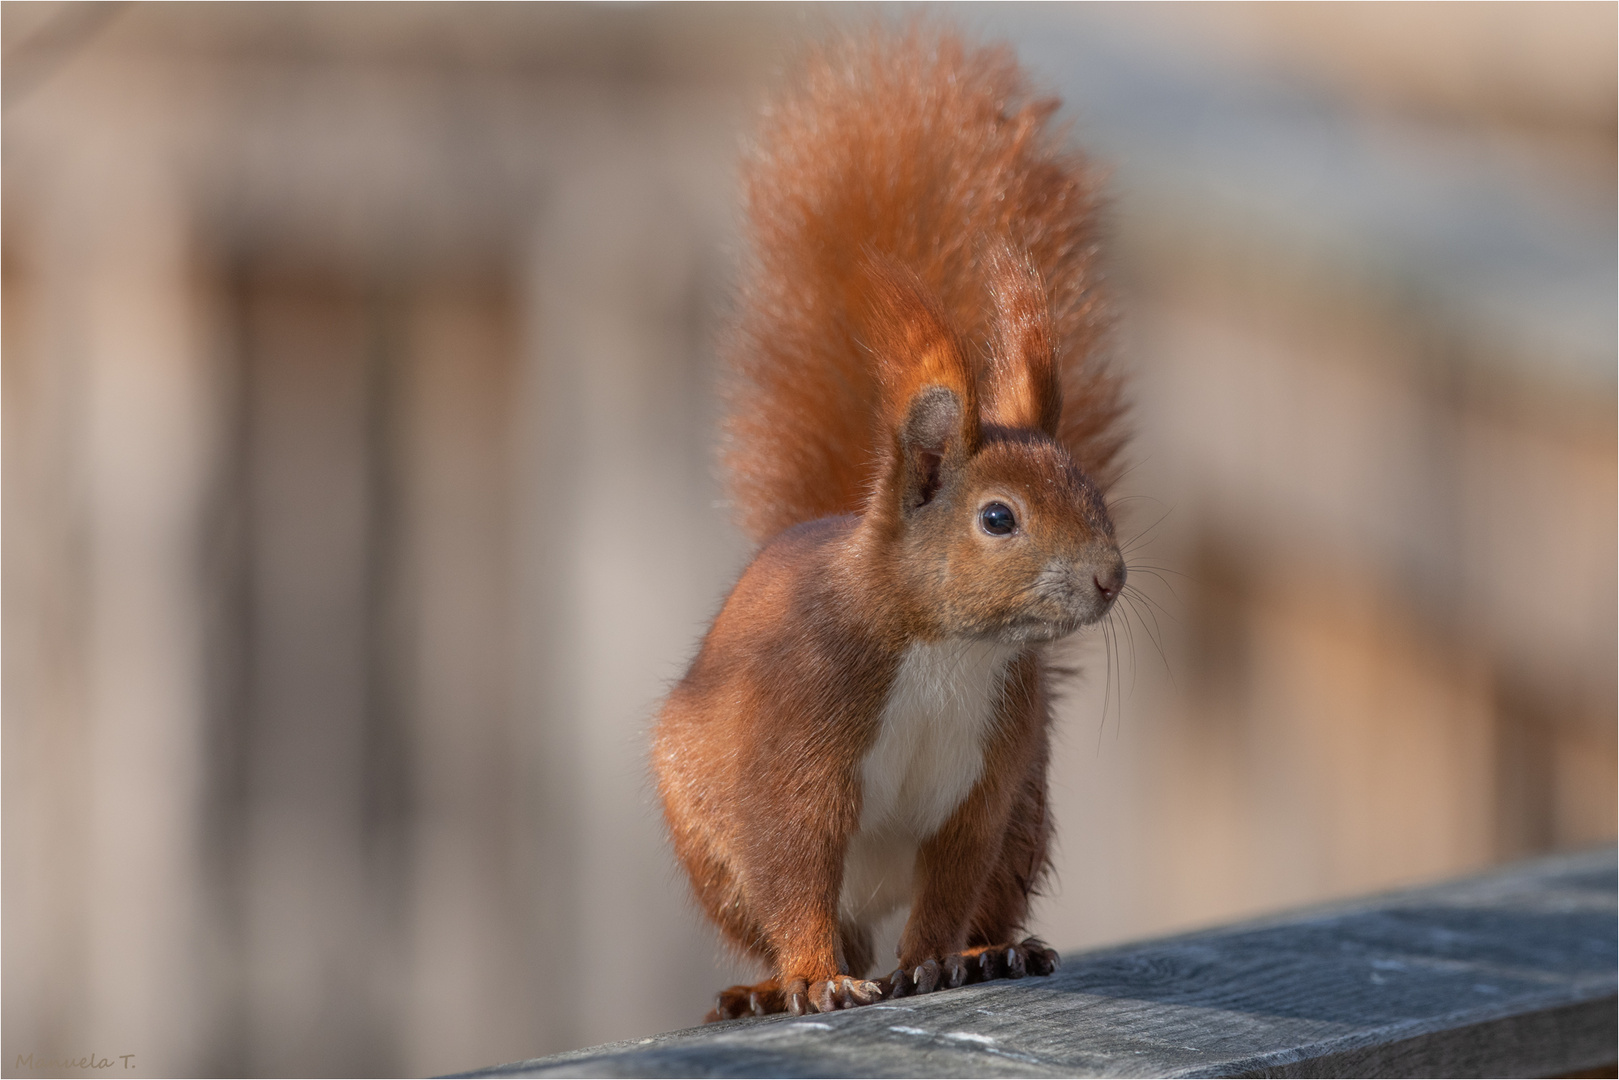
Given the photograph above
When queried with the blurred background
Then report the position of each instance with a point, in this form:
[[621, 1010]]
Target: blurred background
[[359, 502]]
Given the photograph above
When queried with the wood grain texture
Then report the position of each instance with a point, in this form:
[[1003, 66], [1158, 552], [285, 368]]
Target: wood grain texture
[[1509, 974]]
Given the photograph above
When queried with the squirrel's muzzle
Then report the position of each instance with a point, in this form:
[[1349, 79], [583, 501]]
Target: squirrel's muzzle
[[1098, 579]]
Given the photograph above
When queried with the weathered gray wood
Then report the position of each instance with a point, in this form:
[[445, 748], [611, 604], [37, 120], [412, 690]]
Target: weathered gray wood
[[1511, 974]]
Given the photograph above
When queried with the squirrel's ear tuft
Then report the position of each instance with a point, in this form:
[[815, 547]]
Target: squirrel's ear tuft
[[917, 351], [1025, 387], [930, 395]]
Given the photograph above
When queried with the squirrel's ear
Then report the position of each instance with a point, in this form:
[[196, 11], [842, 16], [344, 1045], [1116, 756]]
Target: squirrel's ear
[[1025, 388], [930, 397]]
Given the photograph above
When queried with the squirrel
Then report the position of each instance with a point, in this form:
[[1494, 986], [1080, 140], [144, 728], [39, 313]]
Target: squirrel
[[920, 431]]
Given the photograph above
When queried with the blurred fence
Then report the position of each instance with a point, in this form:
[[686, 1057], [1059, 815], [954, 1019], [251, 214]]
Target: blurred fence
[[358, 503]]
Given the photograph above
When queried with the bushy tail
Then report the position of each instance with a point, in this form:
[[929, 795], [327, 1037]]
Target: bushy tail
[[910, 144]]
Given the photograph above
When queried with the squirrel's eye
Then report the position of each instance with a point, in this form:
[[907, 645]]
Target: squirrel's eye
[[997, 519]]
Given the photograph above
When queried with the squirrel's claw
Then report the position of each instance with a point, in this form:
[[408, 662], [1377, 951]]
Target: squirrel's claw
[[898, 984], [797, 997]]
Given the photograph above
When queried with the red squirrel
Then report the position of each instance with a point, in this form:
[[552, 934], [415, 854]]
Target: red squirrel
[[920, 431]]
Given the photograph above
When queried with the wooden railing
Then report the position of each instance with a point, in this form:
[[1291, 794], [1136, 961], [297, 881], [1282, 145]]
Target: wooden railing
[[1509, 974]]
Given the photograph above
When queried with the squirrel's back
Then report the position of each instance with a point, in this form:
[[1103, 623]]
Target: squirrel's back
[[912, 146]]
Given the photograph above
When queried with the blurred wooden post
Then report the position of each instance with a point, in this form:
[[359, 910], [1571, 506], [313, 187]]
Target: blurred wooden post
[[107, 720], [1509, 974], [617, 374]]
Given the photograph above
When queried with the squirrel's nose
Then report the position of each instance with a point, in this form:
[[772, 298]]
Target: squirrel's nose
[[1110, 578]]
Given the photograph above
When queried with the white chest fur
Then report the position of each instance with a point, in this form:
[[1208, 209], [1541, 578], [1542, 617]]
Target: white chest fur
[[928, 754]]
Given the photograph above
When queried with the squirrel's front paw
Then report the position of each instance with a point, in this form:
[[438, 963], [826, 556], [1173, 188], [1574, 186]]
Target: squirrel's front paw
[[1031, 956]]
